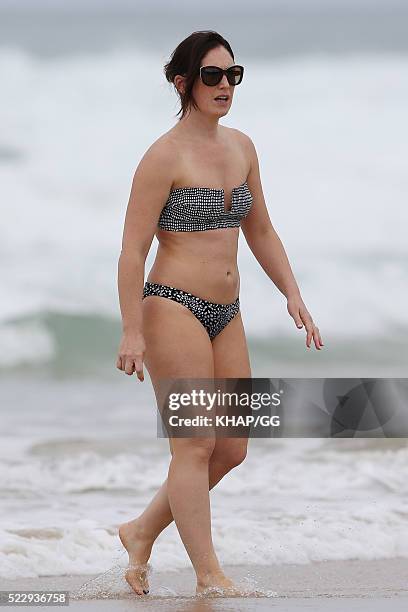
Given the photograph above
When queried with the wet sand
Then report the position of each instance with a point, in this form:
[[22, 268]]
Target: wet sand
[[359, 585]]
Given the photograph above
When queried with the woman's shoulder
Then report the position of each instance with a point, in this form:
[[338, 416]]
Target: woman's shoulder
[[239, 136], [164, 149], [243, 142], [164, 143]]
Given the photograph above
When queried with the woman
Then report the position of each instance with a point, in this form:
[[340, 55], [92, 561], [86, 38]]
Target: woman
[[193, 188]]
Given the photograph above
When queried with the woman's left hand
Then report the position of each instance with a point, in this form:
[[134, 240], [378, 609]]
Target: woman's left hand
[[301, 316]]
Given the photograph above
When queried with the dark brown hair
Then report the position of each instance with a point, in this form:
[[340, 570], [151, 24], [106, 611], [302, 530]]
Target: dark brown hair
[[186, 60]]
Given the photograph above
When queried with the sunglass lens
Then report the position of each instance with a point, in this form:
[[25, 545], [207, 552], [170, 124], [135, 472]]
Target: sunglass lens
[[235, 75], [211, 76]]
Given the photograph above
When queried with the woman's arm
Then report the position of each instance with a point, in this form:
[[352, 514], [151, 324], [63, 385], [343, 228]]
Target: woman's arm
[[151, 185], [269, 251]]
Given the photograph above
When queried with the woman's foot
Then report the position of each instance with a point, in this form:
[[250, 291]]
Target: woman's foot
[[139, 547], [216, 585]]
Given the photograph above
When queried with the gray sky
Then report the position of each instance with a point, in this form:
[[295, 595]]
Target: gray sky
[[197, 6], [275, 27]]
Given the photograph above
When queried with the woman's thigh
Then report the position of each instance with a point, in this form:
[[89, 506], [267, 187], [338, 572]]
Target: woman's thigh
[[230, 351], [231, 360], [177, 346]]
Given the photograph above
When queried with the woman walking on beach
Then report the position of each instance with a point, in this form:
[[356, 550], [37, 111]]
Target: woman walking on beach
[[194, 188]]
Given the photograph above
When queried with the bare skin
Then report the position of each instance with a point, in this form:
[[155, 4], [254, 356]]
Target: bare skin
[[167, 338], [226, 357]]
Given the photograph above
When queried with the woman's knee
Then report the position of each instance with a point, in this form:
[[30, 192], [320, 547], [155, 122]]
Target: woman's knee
[[193, 449], [230, 453]]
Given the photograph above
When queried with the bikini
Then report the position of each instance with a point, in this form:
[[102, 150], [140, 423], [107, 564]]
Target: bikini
[[195, 209]]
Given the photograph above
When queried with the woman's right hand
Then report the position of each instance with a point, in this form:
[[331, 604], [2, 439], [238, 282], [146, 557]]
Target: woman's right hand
[[130, 355]]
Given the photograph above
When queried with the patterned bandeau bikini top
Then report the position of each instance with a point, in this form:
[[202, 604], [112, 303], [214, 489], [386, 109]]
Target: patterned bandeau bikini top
[[194, 209]]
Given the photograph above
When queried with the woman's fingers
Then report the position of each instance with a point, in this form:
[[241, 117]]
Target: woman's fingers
[[139, 368], [302, 318], [296, 316], [309, 329], [313, 332], [308, 323], [131, 353], [317, 338], [129, 366]]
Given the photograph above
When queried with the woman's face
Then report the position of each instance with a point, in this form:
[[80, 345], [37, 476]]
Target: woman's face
[[205, 95]]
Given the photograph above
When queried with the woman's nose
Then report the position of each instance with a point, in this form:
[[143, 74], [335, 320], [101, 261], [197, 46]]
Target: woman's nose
[[224, 80]]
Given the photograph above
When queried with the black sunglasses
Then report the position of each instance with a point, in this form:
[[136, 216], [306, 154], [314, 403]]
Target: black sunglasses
[[212, 75]]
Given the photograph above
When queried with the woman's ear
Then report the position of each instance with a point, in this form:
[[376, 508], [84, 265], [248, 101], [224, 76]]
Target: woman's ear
[[179, 83]]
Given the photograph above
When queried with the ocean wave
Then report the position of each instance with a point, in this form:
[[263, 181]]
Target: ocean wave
[[290, 510], [337, 159]]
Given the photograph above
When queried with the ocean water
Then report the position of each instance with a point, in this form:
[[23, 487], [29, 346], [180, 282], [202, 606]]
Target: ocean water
[[331, 135], [78, 446], [89, 459]]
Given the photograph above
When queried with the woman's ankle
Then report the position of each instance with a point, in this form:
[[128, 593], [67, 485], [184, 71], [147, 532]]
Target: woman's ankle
[[205, 578], [139, 528]]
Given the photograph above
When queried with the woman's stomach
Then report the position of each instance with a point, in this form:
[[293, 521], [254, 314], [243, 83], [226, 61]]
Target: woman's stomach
[[203, 263]]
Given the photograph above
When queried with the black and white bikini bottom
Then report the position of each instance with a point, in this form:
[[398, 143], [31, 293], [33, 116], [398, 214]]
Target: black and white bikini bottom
[[213, 316]]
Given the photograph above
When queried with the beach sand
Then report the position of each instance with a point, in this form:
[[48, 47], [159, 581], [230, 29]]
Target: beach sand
[[332, 585]]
